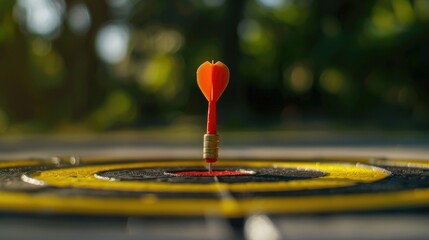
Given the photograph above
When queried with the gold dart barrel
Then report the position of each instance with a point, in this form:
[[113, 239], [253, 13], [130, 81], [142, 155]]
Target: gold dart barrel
[[211, 146]]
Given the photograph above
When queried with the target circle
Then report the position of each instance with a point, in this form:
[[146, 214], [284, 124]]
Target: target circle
[[115, 187], [331, 175]]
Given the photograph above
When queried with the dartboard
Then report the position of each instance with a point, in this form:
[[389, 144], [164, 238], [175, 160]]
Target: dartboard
[[180, 187]]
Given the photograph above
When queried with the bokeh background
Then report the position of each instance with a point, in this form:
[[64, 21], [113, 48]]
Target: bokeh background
[[84, 65]]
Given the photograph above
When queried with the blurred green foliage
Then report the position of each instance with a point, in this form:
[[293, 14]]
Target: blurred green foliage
[[129, 64]]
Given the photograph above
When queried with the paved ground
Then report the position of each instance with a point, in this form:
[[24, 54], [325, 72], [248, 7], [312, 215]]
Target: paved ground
[[233, 145]]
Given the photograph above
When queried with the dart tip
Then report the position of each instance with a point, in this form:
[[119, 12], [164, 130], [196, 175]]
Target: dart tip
[[210, 168]]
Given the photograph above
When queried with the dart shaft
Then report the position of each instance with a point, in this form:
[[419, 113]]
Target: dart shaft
[[211, 118]]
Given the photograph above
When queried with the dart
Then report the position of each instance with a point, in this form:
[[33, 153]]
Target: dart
[[212, 78]]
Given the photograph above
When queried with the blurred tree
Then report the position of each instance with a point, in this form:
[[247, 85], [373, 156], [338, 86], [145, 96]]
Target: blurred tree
[[16, 81], [86, 80]]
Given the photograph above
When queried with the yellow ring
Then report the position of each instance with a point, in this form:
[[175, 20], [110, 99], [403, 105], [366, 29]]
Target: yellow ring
[[339, 175], [150, 205]]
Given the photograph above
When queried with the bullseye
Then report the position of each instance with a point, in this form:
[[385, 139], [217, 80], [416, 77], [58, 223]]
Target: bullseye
[[214, 173]]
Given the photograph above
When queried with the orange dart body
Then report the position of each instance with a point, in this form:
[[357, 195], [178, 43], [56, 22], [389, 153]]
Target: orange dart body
[[212, 79]]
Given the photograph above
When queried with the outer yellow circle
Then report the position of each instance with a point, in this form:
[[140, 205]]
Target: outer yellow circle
[[150, 205], [338, 175]]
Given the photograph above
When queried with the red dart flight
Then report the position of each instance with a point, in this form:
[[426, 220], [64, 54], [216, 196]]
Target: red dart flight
[[212, 79]]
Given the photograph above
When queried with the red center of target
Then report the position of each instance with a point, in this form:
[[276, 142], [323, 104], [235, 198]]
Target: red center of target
[[214, 173]]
